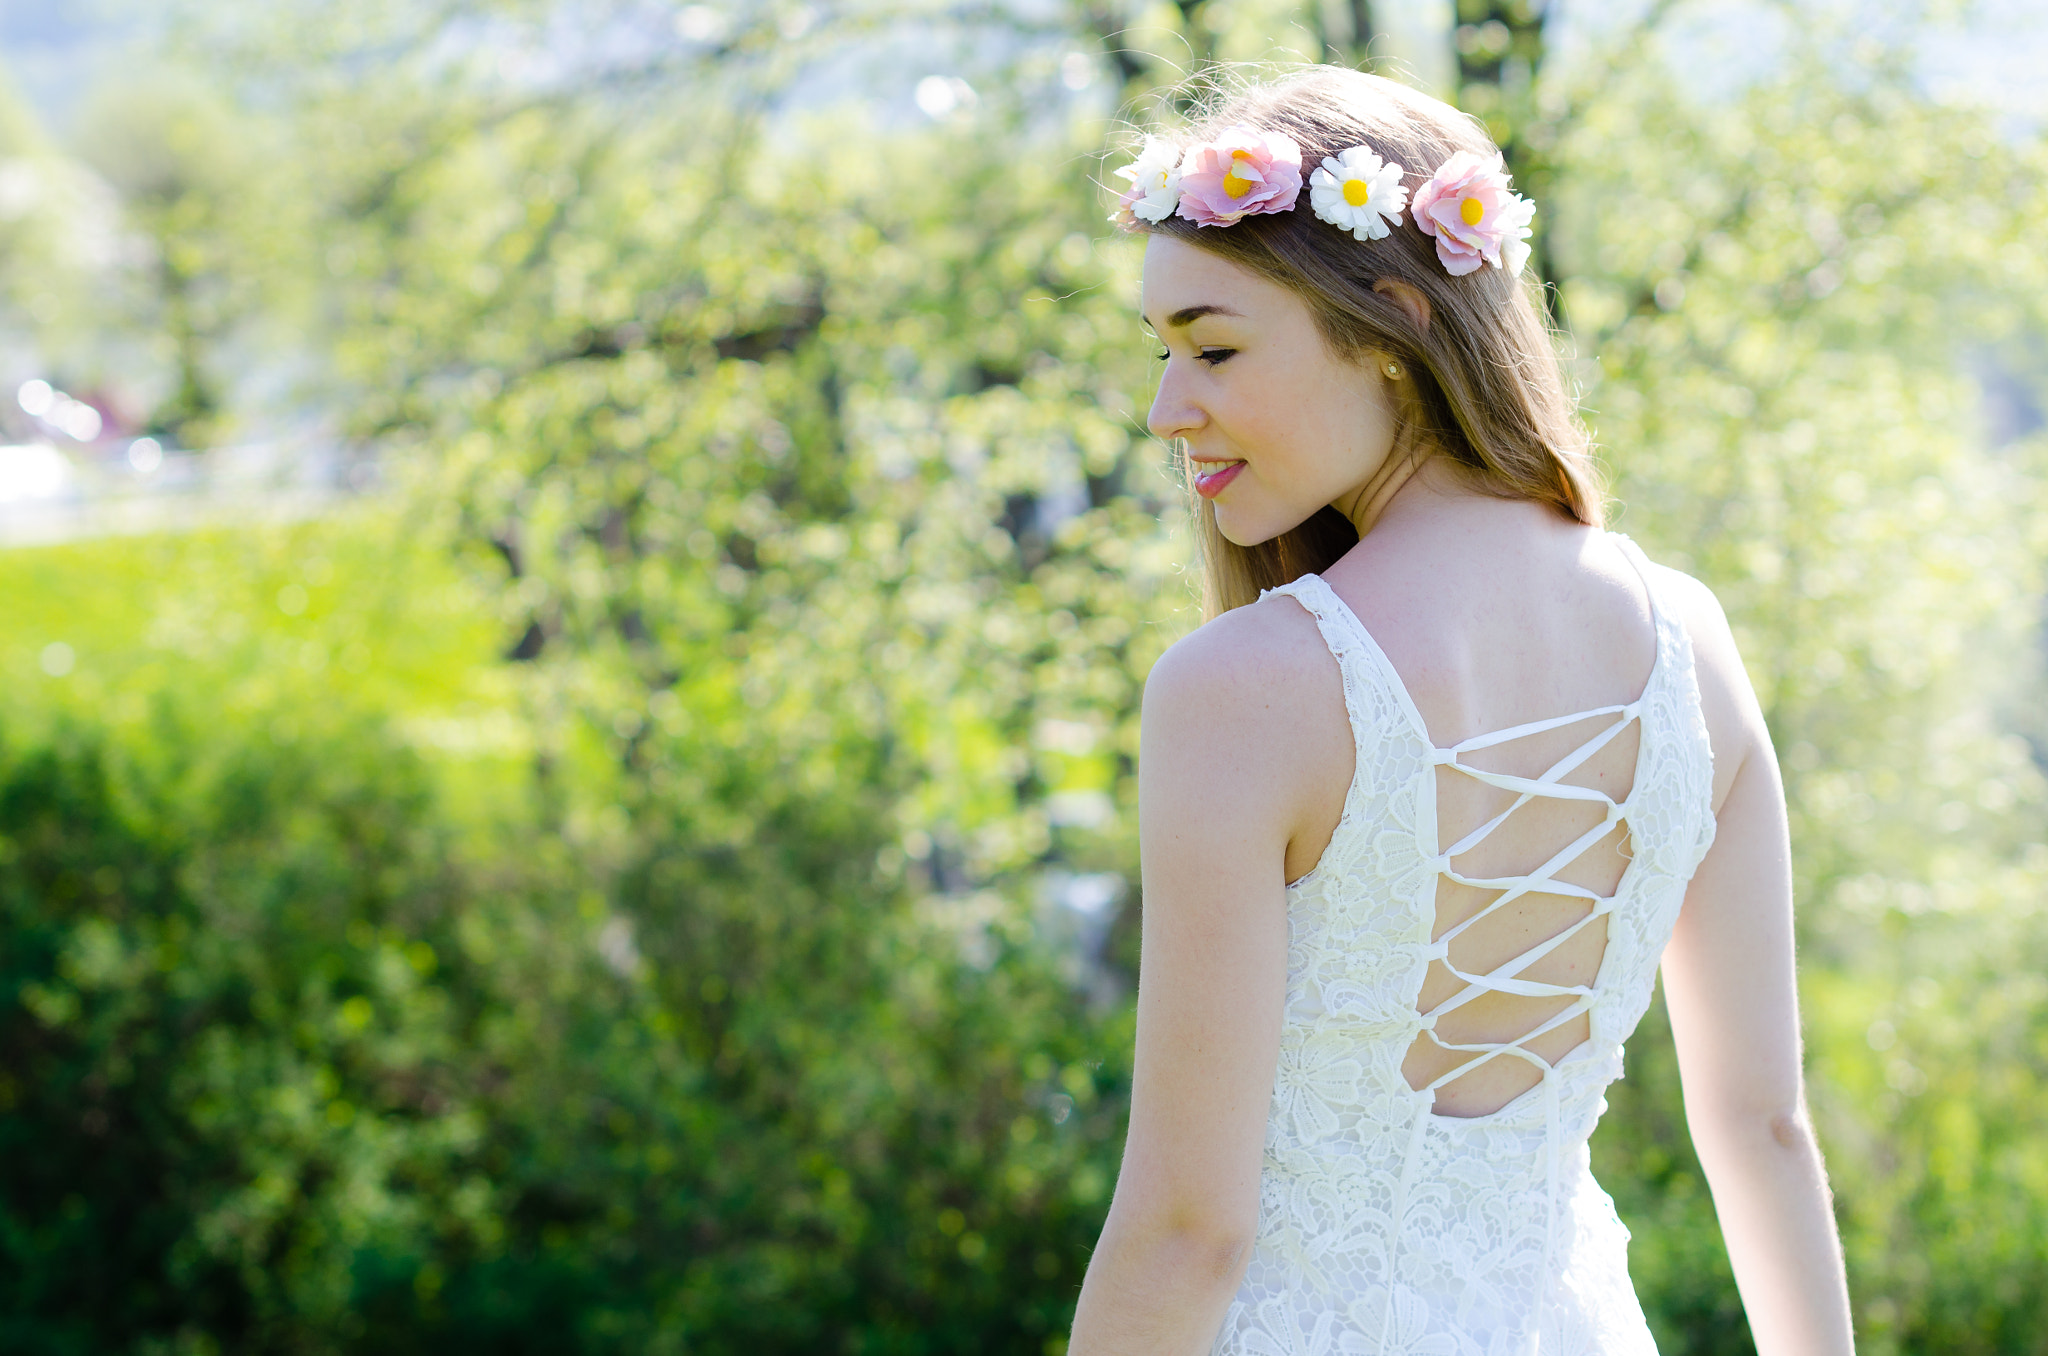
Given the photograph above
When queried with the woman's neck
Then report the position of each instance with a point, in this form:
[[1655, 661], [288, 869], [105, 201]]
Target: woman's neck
[[1413, 479]]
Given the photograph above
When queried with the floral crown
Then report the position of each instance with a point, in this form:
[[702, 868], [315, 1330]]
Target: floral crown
[[1466, 205]]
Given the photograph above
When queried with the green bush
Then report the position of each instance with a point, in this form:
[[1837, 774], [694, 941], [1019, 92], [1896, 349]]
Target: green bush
[[288, 1070], [228, 1024]]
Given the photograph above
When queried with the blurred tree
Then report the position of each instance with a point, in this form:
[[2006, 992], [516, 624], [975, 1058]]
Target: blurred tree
[[58, 240], [811, 515], [216, 268], [1346, 31], [1500, 47]]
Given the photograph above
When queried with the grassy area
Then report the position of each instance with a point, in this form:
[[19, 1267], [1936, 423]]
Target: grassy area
[[292, 625]]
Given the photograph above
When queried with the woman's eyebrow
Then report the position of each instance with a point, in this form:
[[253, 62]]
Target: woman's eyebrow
[[1188, 315]]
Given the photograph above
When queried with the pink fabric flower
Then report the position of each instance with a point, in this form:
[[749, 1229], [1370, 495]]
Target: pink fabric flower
[[1475, 219], [1239, 173]]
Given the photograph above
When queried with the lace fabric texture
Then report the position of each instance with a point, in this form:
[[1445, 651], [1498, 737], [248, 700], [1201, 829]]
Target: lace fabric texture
[[1386, 1227]]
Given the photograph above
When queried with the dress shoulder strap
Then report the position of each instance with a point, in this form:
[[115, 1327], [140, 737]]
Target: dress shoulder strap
[[1662, 619], [1357, 656], [1677, 717]]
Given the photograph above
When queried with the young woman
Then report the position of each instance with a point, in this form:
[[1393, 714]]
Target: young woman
[[1447, 774]]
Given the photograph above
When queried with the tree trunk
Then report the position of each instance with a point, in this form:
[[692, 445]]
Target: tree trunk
[[1500, 49]]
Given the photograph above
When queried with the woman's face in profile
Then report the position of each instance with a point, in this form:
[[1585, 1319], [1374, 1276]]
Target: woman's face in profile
[[1276, 425]]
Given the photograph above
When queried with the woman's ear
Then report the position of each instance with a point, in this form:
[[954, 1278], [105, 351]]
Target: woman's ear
[[1408, 297]]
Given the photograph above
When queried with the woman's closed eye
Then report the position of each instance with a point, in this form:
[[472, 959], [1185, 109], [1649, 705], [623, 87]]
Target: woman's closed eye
[[1211, 356]]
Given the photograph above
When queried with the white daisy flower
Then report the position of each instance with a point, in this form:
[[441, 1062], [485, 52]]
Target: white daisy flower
[[1516, 224], [1358, 192], [1155, 182]]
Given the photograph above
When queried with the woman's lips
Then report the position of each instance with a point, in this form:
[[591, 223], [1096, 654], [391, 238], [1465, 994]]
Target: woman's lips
[[1209, 484]]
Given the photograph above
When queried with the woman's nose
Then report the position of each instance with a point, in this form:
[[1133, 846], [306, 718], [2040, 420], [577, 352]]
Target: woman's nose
[[1172, 415]]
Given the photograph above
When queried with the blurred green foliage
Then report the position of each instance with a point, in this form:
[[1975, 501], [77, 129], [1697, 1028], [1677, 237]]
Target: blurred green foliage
[[607, 895], [320, 1036]]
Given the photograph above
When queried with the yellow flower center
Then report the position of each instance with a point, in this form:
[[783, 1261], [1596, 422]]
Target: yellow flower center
[[1233, 184], [1356, 191], [1471, 209]]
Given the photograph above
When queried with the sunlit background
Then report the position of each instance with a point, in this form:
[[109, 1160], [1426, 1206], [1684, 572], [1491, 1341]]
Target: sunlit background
[[575, 577]]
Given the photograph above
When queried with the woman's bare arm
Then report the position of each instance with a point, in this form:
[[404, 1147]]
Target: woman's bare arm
[[1728, 981], [1237, 740]]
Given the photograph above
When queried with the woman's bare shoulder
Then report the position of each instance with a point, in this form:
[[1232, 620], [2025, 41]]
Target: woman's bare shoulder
[[1266, 648], [1695, 604], [1251, 705]]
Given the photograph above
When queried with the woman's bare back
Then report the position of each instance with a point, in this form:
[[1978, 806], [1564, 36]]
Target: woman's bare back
[[1498, 614]]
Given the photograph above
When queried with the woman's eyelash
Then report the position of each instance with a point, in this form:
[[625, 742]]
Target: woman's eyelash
[[1211, 356]]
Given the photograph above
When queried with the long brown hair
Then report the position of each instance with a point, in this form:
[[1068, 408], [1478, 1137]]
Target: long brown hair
[[1487, 392]]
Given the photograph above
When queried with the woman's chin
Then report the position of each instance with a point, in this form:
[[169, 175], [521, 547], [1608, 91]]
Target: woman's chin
[[1241, 530]]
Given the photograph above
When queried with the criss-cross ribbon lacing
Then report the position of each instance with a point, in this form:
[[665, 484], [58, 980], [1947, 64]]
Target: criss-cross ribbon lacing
[[1506, 977]]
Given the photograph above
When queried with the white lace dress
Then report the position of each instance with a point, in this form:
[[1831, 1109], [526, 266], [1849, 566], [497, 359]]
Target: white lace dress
[[1383, 1226]]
